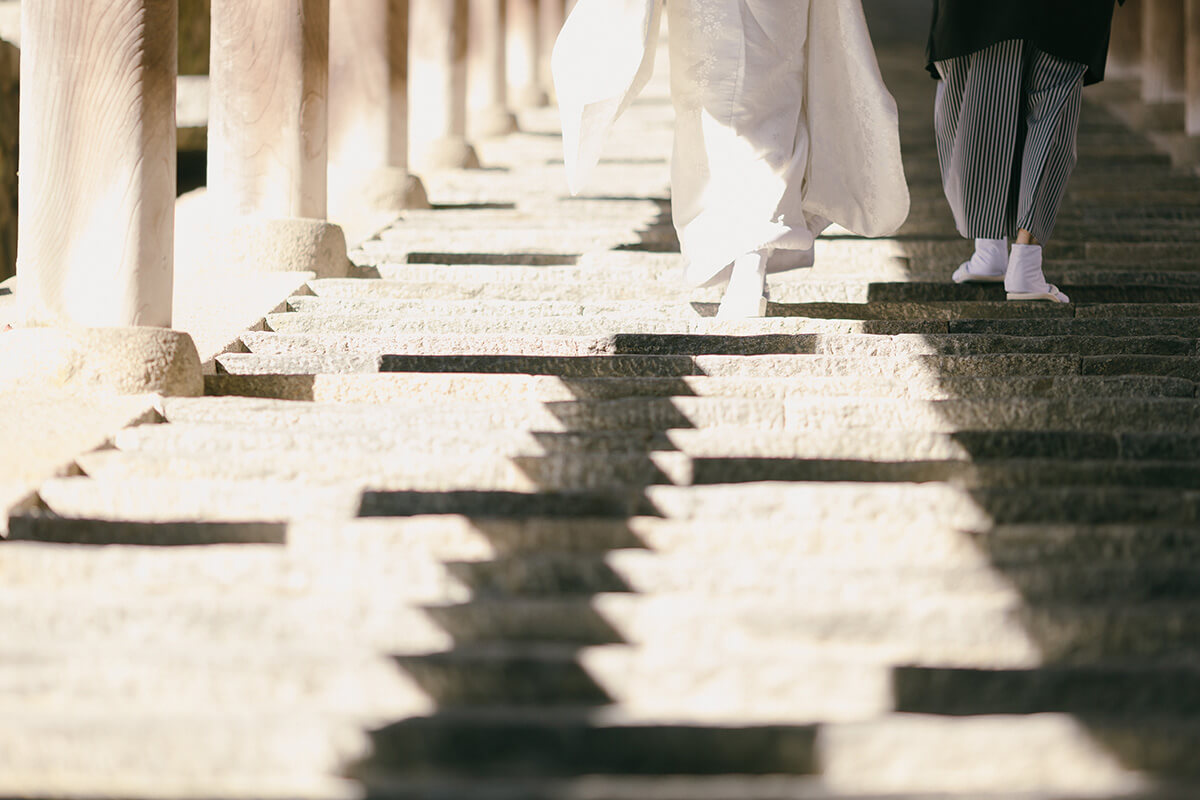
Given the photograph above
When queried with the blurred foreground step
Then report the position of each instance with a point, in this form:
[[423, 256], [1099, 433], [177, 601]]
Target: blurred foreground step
[[1051, 752]]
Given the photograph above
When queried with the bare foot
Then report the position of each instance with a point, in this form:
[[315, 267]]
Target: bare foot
[[6, 328]]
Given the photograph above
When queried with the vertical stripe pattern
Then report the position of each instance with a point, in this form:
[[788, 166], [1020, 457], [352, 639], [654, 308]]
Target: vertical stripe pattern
[[1006, 120]]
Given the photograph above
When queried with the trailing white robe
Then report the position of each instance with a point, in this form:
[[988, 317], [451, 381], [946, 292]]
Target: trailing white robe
[[783, 122]]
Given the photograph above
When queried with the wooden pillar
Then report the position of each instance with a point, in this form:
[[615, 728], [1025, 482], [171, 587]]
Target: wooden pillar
[[268, 136], [1125, 48], [1192, 110], [438, 63], [95, 264], [524, 61], [1163, 46], [97, 162], [487, 70], [551, 15], [368, 108]]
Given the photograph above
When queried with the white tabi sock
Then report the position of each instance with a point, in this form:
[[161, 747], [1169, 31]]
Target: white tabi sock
[[746, 295], [989, 262], [1025, 279]]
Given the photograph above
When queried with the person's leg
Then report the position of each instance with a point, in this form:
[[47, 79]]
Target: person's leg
[[1053, 98], [977, 119]]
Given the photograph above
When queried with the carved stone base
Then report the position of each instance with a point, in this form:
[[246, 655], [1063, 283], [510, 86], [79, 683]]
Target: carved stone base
[[1184, 150], [1152, 116], [279, 245], [388, 189], [530, 97], [494, 122], [450, 153], [115, 360]]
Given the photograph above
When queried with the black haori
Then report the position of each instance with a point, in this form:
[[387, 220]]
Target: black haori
[[1072, 30]]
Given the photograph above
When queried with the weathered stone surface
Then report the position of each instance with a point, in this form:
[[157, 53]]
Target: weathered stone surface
[[105, 360]]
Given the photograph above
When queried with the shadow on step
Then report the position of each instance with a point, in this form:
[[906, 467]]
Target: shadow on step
[[496, 259], [1092, 518], [515, 698], [44, 526]]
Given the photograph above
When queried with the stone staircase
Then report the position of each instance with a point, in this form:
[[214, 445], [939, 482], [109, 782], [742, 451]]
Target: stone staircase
[[510, 515]]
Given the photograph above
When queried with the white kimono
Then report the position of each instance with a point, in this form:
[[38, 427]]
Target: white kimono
[[783, 122]]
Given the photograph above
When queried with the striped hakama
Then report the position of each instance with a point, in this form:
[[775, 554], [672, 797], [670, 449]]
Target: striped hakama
[[1007, 119]]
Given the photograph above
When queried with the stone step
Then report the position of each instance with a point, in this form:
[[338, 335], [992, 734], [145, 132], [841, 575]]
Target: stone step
[[859, 345], [813, 586], [226, 756], [156, 501], [823, 319], [741, 787], [434, 470], [1187, 327], [205, 678], [817, 690], [431, 387], [397, 610], [836, 503], [850, 295], [1052, 752], [797, 413], [978, 509], [303, 356], [327, 324], [989, 633], [343, 547], [233, 441]]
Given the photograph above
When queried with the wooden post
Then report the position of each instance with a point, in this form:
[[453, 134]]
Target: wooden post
[[1192, 111], [1125, 49], [368, 109], [551, 16], [95, 264], [524, 89], [487, 70], [97, 162], [438, 64], [1163, 46], [268, 136]]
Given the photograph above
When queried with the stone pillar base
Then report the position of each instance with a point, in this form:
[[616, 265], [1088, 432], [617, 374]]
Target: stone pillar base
[[1184, 150], [494, 122], [279, 245], [452, 153], [1153, 116], [530, 97], [388, 189], [115, 360]]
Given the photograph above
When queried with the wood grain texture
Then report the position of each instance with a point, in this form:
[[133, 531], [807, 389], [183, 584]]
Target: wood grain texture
[[268, 115], [438, 61], [97, 162], [368, 84], [1163, 61]]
